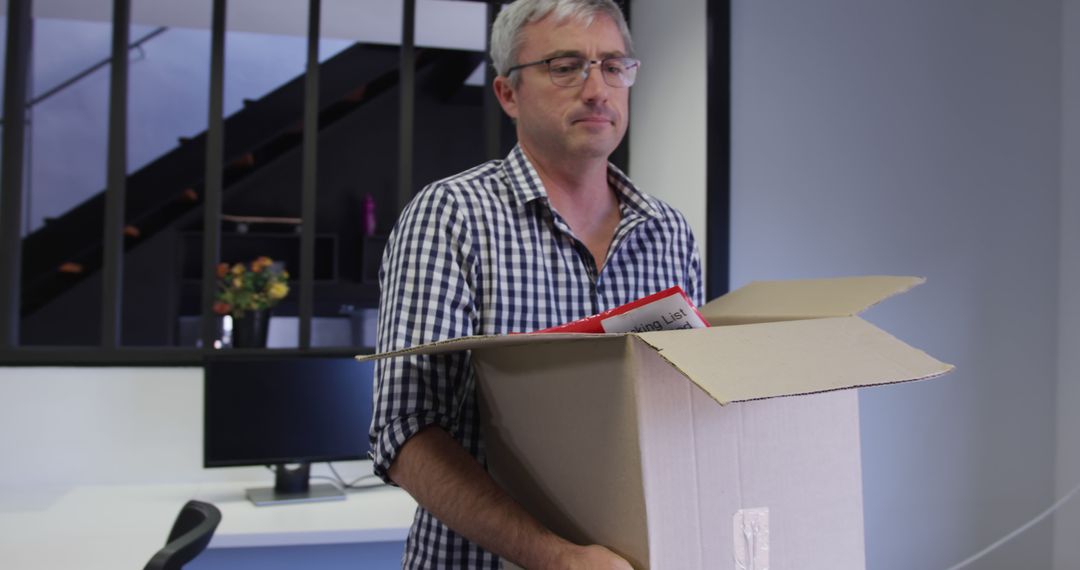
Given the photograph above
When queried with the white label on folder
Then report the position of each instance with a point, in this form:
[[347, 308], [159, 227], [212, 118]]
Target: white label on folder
[[671, 312]]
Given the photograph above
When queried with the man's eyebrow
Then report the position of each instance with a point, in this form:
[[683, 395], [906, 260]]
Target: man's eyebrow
[[564, 53], [575, 53]]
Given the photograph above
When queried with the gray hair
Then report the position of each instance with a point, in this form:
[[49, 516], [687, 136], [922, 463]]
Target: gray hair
[[506, 36]]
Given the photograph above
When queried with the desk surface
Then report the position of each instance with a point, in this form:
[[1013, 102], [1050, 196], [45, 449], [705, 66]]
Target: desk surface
[[122, 526]]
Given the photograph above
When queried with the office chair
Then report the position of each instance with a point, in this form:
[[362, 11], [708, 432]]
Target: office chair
[[190, 534]]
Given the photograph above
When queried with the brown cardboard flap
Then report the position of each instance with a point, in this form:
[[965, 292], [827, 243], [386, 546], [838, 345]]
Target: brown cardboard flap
[[770, 301], [561, 437], [748, 362]]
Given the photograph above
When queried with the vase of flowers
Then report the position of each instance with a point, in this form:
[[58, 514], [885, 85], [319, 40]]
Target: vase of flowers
[[247, 293]]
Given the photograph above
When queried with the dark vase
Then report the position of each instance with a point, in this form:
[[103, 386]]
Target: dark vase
[[250, 330]]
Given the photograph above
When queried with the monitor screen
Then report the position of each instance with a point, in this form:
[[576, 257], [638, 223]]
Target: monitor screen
[[269, 410]]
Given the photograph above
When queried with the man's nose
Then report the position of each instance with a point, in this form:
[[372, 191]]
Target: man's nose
[[595, 89]]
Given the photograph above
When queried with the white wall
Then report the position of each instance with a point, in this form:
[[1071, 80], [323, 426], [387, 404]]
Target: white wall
[[83, 426], [915, 137], [667, 106], [65, 426], [1067, 523], [920, 137]]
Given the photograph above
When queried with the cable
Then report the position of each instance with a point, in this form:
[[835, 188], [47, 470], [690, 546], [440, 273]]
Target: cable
[[335, 482], [1013, 534], [353, 483], [362, 477], [334, 471]]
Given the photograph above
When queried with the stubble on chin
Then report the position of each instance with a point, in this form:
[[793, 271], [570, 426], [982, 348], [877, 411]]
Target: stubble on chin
[[597, 145]]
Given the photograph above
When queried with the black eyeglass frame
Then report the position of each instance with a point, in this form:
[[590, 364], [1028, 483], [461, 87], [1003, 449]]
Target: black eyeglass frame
[[633, 64]]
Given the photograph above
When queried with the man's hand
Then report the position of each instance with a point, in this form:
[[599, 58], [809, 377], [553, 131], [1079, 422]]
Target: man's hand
[[591, 558]]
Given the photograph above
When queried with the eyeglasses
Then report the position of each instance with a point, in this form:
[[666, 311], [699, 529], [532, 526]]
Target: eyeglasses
[[571, 71]]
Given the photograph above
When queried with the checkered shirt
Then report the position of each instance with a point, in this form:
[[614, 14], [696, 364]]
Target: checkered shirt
[[483, 252]]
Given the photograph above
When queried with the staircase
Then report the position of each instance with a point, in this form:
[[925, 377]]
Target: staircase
[[167, 193]]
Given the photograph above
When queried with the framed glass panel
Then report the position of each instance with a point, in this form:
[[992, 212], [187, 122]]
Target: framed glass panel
[[64, 182]]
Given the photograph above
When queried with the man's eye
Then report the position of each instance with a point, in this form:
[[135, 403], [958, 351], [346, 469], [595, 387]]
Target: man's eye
[[565, 68]]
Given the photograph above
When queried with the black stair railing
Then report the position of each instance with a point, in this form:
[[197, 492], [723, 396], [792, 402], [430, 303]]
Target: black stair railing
[[75, 78]]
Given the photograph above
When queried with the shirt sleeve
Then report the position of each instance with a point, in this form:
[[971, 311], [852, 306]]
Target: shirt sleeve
[[427, 294]]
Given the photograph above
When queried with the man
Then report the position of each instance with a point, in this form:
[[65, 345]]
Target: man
[[551, 234]]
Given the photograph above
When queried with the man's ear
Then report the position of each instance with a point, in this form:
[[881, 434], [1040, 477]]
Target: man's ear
[[506, 95]]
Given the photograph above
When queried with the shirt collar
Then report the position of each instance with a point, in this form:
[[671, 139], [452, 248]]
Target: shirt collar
[[526, 186]]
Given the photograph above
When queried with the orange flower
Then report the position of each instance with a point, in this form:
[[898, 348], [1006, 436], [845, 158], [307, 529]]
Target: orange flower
[[222, 270], [238, 269], [222, 308]]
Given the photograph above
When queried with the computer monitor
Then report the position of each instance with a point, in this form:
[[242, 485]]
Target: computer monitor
[[286, 412]]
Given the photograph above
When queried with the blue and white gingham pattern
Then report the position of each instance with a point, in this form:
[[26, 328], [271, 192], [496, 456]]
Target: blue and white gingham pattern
[[483, 252]]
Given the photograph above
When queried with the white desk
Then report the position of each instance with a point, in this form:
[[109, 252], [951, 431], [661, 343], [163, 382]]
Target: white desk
[[118, 527]]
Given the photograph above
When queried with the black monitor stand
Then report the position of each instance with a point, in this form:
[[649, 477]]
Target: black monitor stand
[[292, 485]]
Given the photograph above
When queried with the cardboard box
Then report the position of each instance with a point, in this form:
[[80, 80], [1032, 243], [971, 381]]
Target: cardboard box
[[664, 445]]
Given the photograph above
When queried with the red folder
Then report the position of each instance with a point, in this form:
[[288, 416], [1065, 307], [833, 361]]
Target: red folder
[[669, 309]]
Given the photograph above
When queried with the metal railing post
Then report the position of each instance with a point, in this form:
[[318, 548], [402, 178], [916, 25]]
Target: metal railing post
[[16, 73], [215, 135], [112, 271], [407, 87], [309, 176]]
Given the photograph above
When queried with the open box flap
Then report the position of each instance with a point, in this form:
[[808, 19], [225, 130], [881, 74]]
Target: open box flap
[[758, 302], [749, 362], [769, 301]]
